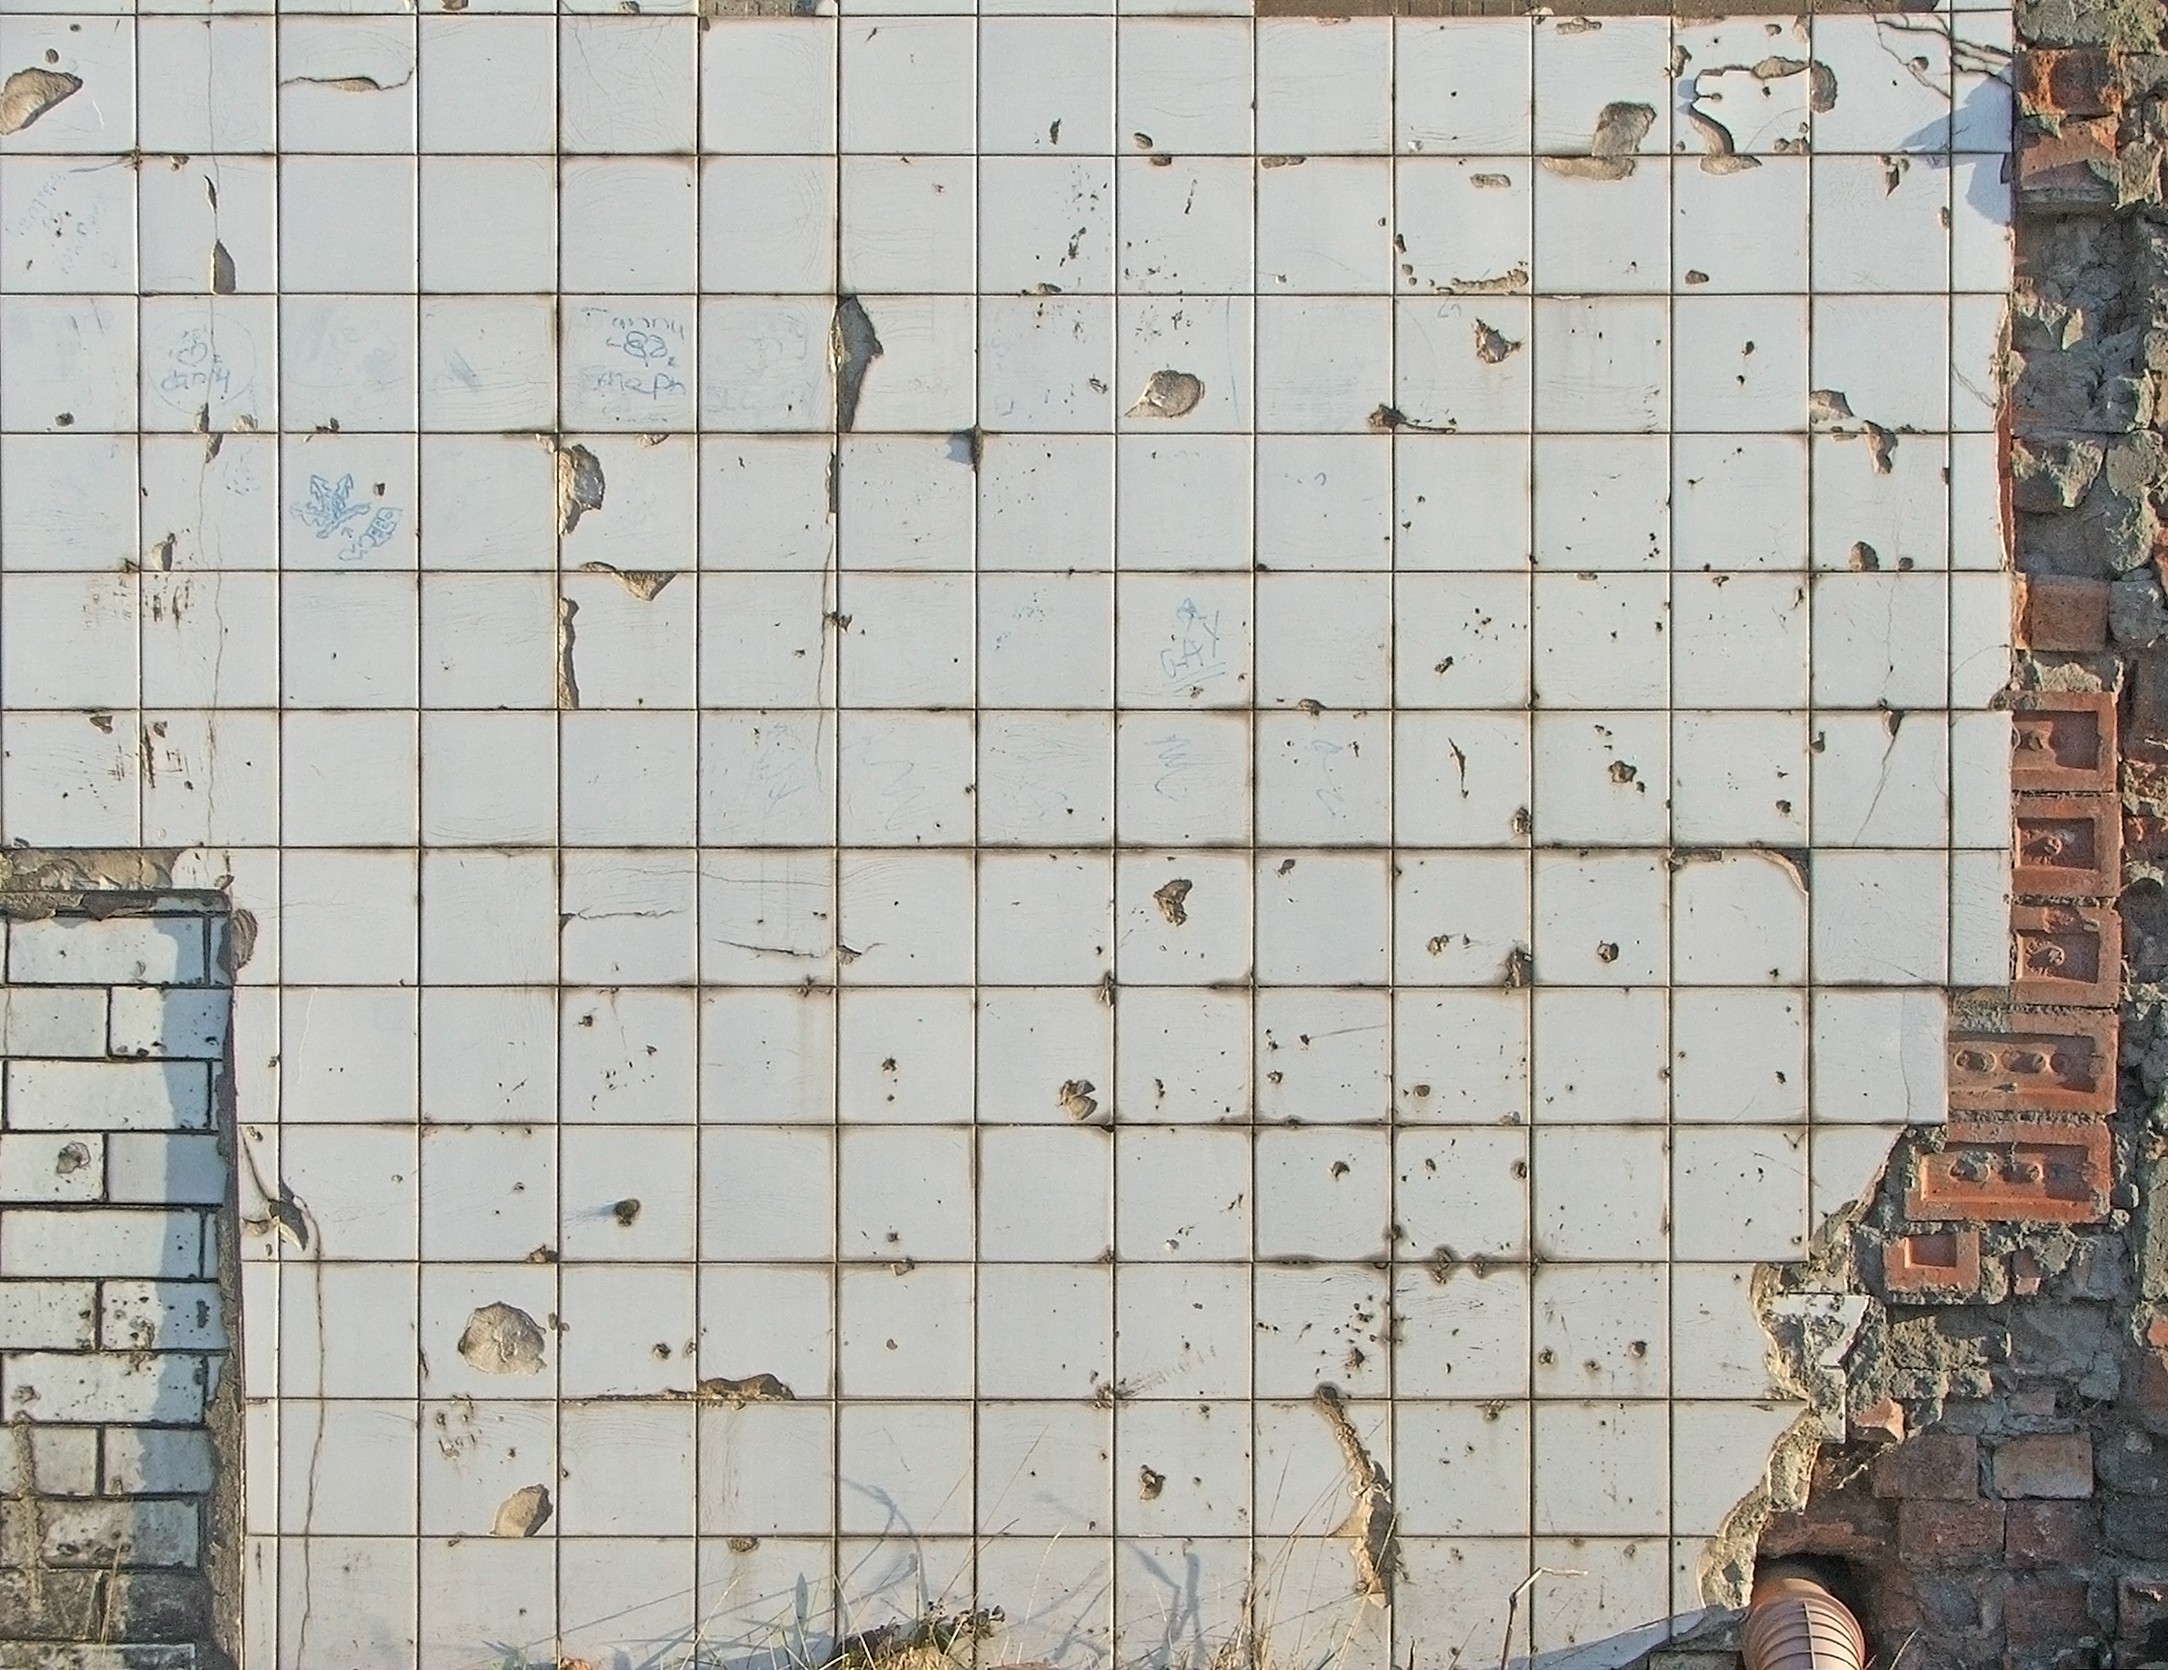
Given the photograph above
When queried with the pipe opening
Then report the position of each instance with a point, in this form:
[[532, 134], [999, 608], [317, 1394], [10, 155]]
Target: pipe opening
[[1803, 1616]]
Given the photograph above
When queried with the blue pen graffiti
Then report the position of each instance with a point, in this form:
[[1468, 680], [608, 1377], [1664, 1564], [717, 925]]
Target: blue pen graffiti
[[645, 341], [356, 526], [1194, 657]]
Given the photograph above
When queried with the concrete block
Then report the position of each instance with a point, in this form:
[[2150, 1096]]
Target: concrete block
[[155, 1168], [53, 1020], [100, 1241], [52, 1165], [157, 1461], [162, 1316], [48, 1315], [107, 1386], [121, 950], [171, 1022], [108, 1095]]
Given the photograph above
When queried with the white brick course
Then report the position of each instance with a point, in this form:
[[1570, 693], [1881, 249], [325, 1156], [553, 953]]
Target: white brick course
[[153, 1168], [63, 1461], [97, 1241], [121, 1533], [52, 1165], [151, 1460], [106, 1386], [168, 1022], [53, 1020], [48, 1315], [108, 1095], [122, 950], [161, 1316]]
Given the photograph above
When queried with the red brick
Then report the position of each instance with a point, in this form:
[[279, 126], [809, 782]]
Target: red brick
[[1946, 1261], [2070, 954], [2068, 846], [2151, 1392], [1930, 1467], [2054, 1464], [2063, 742], [2063, 1534], [2047, 1610], [2001, 1171], [1885, 1417], [1950, 1533], [2075, 81], [2053, 611], [2034, 1061], [2071, 169]]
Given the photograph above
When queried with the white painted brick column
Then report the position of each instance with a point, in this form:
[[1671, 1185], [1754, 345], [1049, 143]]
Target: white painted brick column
[[113, 1321]]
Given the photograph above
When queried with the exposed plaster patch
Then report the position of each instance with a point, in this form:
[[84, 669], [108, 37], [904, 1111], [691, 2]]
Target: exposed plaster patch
[[644, 583], [1492, 345], [853, 346], [753, 1388], [30, 93], [1508, 283], [524, 1512], [1371, 1527], [568, 681], [1168, 394], [1620, 128], [580, 483], [502, 1339]]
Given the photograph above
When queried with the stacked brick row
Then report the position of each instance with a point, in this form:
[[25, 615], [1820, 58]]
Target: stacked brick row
[[2032, 1072], [113, 1184]]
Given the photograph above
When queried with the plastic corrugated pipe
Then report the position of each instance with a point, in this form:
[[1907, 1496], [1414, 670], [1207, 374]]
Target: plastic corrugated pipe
[[1793, 1622]]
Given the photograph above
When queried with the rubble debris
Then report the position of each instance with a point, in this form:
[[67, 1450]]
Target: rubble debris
[[921, 1643]]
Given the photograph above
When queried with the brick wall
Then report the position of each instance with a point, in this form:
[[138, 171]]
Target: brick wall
[[113, 1180], [1996, 1487]]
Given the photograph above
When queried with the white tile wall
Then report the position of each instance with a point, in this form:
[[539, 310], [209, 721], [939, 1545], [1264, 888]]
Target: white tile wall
[[1408, 855]]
